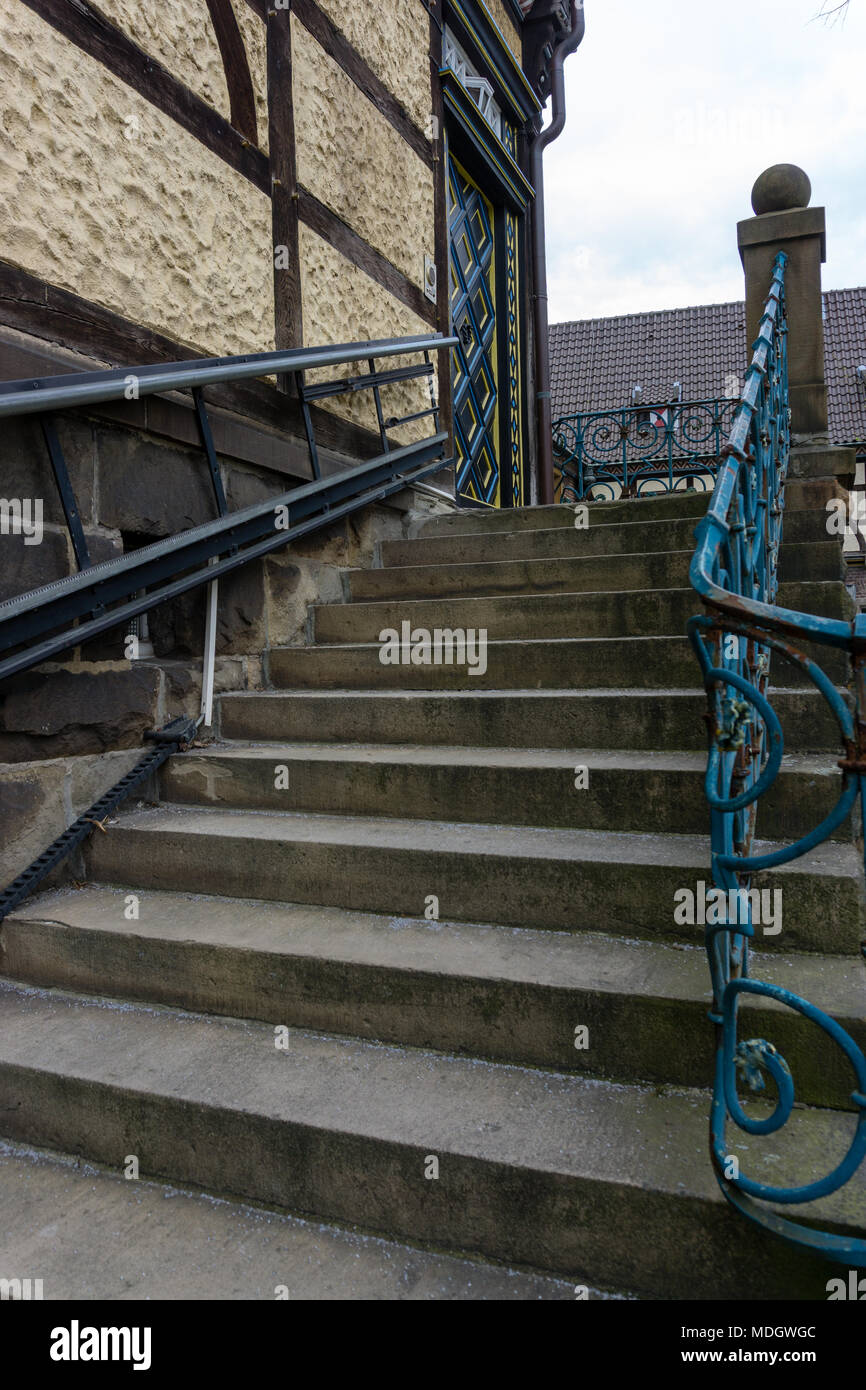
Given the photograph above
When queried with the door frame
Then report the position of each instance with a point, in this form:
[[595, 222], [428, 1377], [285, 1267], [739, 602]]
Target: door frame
[[473, 144]]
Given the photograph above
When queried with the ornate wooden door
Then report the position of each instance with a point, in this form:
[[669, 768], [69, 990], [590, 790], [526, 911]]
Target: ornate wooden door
[[474, 369]]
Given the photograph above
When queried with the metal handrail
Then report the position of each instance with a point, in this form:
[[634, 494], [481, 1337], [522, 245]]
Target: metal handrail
[[735, 572], [38, 625], [91, 388]]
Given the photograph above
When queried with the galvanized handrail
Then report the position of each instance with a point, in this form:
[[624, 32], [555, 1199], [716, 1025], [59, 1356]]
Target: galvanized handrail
[[26, 396], [42, 623], [38, 625], [624, 452], [735, 571]]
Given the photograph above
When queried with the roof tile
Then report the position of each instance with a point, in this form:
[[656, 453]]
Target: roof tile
[[595, 363]]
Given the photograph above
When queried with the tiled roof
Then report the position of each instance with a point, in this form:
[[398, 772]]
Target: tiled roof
[[595, 363], [844, 351]]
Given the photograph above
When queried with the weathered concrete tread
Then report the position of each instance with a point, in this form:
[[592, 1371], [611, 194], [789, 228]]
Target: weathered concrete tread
[[529, 842], [94, 1236], [483, 952], [420, 1102]]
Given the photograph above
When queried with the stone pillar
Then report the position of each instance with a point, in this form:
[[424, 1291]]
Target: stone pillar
[[785, 222]]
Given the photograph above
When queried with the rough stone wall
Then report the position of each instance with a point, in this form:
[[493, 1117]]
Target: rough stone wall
[[341, 305], [39, 801], [70, 730], [394, 41], [355, 162], [506, 25], [146, 222], [144, 219]]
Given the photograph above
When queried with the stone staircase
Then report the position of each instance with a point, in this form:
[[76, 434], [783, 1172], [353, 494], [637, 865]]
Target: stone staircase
[[248, 997]]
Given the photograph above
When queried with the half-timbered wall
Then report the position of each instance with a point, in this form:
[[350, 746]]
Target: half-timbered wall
[[107, 196], [221, 176], [188, 177], [169, 167]]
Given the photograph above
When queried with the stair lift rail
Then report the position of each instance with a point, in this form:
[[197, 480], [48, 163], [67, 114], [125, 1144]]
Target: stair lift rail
[[39, 625]]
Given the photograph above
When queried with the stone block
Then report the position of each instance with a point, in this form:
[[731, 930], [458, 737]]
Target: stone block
[[826, 462], [38, 801], [103, 545], [31, 814], [244, 488], [54, 711], [24, 566], [25, 467], [151, 488], [241, 625], [293, 584]]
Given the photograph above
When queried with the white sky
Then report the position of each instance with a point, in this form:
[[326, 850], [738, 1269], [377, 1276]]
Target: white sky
[[673, 109]]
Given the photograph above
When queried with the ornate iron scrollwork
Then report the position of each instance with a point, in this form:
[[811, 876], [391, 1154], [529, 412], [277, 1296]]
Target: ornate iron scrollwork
[[735, 571], [604, 454]]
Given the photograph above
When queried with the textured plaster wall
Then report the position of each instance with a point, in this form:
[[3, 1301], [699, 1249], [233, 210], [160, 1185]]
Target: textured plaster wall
[[342, 305], [392, 37], [180, 34], [254, 35], [355, 162], [510, 32], [107, 197]]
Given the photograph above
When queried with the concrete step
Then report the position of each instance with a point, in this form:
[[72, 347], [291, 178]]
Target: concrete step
[[801, 494], [535, 1168], [176, 1243], [509, 786], [522, 876], [806, 462], [572, 574], [485, 991], [630, 613], [812, 494], [627, 538], [561, 663], [658, 507], [655, 720]]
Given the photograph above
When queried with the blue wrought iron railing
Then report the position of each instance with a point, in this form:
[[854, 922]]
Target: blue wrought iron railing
[[735, 570], [604, 454]]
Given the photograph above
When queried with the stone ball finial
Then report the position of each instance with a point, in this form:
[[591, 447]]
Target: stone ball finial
[[780, 188]]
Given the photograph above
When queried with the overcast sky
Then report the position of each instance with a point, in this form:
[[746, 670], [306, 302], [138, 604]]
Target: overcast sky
[[674, 108]]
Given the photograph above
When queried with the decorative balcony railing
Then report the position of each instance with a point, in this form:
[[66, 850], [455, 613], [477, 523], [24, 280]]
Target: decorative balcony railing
[[735, 569], [604, 454]]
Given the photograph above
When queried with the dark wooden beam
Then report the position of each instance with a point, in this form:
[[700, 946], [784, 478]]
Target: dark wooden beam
[[90, 31], [288, 308], [338, 47], [261, 9], [342, 237], [251, 420], [242, 102], [58, 316]]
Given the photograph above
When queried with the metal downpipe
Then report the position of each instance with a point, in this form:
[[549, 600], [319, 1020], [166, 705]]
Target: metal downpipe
[[543, 413]]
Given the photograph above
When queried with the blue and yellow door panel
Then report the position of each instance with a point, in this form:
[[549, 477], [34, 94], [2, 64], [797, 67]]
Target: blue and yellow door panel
[[475, 360]]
